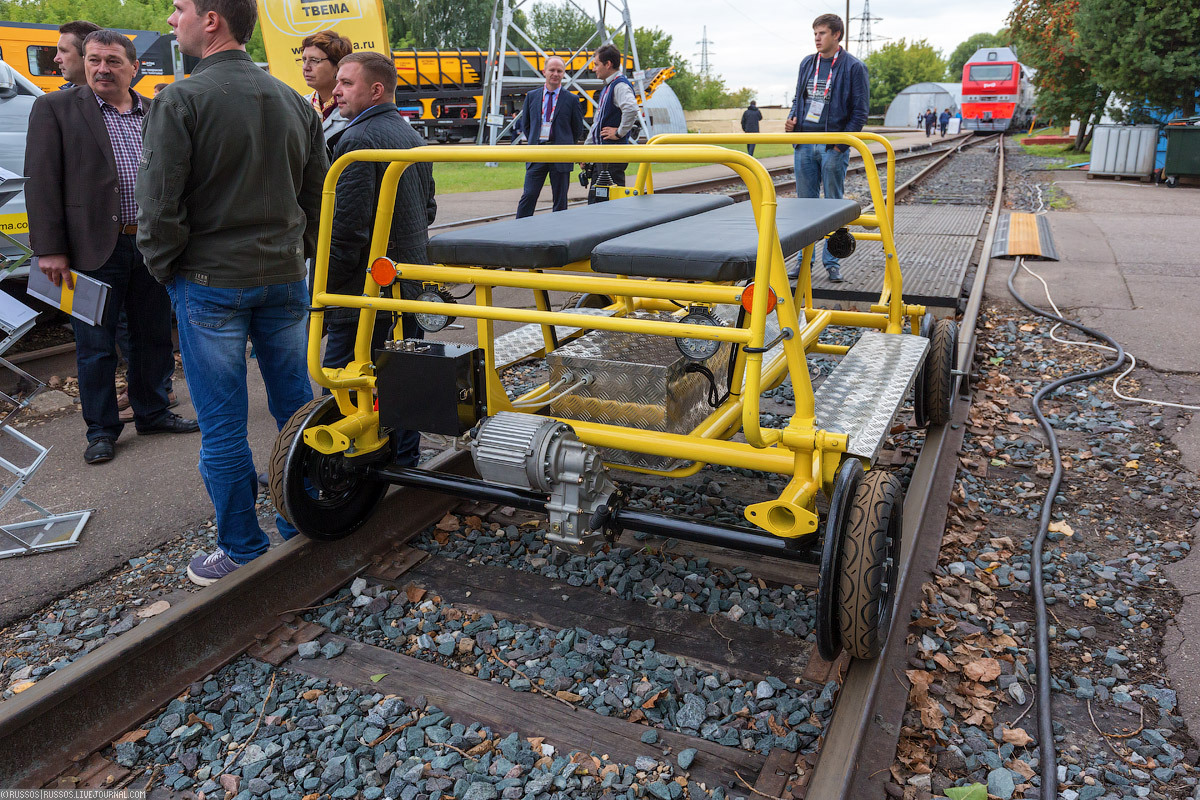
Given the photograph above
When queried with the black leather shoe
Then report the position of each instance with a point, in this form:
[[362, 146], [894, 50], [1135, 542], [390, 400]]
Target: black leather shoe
[[171, 423], [99, 451]]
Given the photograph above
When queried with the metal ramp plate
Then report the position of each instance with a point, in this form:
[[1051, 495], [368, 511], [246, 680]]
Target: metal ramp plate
[[861, 396], [527, 341], [935, 245]]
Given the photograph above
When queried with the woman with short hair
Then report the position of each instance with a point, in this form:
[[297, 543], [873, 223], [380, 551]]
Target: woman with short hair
[[319, 56]]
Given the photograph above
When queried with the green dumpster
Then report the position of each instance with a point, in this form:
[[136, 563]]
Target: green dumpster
[[1183, 150]]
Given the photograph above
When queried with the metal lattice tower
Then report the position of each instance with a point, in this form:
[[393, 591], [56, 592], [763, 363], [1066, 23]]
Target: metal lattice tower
[[611, 20], [865, 40], [704, 53]]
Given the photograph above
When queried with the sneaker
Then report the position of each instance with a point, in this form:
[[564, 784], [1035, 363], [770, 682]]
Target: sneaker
[[835, 276], [207, 569]]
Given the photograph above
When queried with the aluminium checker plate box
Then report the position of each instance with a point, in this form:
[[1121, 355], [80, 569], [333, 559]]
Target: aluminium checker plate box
[[639, 381]]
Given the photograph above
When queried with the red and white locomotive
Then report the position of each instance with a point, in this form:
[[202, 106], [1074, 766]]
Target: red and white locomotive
[[996, 91]]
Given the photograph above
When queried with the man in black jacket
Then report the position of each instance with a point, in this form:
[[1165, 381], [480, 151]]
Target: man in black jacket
[[365, 90], [751, 117]]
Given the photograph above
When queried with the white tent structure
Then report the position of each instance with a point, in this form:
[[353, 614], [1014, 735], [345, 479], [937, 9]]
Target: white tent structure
[[664, 114], [903, 110]]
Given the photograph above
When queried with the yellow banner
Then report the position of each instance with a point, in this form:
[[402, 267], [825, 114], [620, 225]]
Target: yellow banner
[[285, 24], [12, 224]]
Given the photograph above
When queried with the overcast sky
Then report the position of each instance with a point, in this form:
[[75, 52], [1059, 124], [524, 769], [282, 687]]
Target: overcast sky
[[759, 43]]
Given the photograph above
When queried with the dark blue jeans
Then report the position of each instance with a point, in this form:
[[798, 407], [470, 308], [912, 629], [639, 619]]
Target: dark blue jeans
[[341, 329], [214, 325], [151, 361], [535, 179], [821, 169]]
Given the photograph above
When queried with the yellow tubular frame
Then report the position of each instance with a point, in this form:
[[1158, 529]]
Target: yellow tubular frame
[[810, 456]]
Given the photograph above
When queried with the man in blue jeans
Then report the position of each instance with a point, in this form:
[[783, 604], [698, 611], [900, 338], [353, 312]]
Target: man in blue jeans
[[229, 192], [832, 93]]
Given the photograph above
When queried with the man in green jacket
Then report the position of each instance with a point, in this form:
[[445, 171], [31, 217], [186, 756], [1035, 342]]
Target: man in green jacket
[[229, 192]]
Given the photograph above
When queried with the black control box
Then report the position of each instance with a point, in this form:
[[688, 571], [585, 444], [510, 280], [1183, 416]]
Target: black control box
[[432, 387]]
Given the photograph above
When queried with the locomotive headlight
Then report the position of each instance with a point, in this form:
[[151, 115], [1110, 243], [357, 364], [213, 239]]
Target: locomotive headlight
[[698, 349], [432, 323]]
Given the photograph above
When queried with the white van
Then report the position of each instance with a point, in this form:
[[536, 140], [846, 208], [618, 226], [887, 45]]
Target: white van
[[17, 94]]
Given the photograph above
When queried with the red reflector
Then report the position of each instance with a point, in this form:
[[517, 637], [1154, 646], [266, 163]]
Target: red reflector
[[748, 299], [383, 271]]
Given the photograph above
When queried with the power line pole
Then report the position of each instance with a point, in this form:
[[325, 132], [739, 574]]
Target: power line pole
[[704, 52], [866, 41]]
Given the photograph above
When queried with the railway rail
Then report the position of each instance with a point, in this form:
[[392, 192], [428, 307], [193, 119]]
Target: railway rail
[[52, 734]]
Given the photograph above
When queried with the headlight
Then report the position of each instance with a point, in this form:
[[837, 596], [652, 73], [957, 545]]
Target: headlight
[[698, 349], [432, 323]]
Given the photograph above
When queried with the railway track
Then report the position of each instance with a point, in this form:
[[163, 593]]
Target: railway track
[[57, 733]]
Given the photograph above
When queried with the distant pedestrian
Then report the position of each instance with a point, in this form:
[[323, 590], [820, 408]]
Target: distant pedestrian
[[920, 120], [750, 119], [930, 121], [832, 94], [229, 192], [944, 121], [84, 145]]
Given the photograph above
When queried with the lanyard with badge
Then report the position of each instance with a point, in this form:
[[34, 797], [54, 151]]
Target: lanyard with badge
[[548, 115], [817, 105]]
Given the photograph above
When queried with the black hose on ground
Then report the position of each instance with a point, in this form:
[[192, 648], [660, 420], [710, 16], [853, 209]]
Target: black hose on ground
[[1046, 753]]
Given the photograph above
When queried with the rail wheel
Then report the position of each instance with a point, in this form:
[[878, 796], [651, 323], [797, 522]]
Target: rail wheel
[[828, 628], [870, 564], [933, 400], [319, 494]]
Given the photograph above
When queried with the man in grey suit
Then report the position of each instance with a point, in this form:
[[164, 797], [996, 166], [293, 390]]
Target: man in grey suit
[[551, 115]]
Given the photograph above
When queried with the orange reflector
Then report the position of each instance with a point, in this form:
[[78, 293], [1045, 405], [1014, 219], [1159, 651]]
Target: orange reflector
[[383, 271], [748, 299]]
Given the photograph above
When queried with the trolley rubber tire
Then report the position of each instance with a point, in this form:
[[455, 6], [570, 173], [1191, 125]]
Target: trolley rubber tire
[[590, 300], [310, 489], [919, 401], [828, 624], [937, 375], [870, 563]]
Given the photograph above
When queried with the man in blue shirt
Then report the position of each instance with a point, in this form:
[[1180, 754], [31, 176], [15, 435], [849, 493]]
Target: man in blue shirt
[[832, 93]]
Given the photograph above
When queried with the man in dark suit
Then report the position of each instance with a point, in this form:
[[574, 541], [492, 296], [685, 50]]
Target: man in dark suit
[[81, 156], [551, 115]]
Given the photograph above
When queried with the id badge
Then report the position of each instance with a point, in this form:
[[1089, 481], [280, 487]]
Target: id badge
[[544, 133], [814, 111]]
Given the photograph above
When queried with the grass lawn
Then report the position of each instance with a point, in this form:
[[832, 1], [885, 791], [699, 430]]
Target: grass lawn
[[1062, 151], [463, 177]]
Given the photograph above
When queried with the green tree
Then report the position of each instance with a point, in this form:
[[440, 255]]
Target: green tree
[[958, 59], [140, 15], [898, 65], [1044, 34], [1147, 54], [562, 27]]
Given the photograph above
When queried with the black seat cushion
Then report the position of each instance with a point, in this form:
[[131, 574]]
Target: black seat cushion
[[548, 241], [720, 245]]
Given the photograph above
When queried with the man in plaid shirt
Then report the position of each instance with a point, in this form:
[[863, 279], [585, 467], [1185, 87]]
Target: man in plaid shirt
[[84, 146]]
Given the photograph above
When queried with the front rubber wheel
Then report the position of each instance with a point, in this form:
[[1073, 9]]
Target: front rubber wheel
[[837, 521], [870, 564], [934, 400], [323, 496]]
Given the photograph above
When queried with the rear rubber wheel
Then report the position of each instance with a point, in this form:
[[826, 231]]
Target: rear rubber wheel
[[828, 625], [933, 401], [322, 495], [870, 563]]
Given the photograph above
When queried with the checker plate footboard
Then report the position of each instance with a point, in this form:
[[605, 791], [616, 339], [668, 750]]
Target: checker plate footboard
[[861, 396]]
